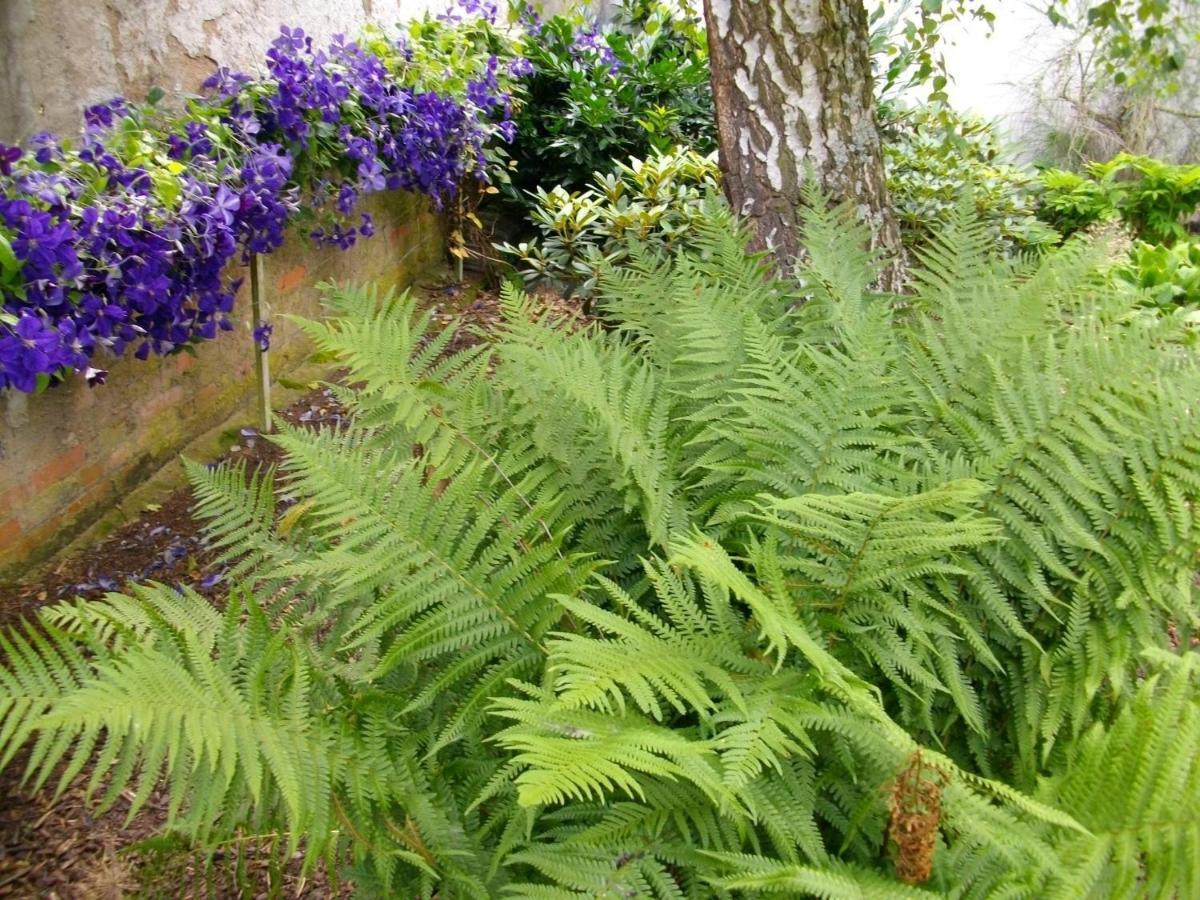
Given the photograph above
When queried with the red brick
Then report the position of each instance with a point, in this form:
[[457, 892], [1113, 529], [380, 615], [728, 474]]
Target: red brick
[[163, 400], [291, 279], [33, 540], [91, 474], [62, 466], [10, 533], [13, 497], [88, 499], [120, 456], [206, 395]]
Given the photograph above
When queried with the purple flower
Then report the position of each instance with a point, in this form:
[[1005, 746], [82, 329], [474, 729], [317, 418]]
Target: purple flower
[[225, 83], [46, 147], [370, 175], [262, 336], [29, 349], [590, 44], [530, 20], [102, 115], [520, 67], [211, 581], [8, 156], [346, 198], [488, 10], [226, 203]]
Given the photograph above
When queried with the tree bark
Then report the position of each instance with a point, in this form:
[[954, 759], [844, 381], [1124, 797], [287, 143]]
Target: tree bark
[[793, 93]]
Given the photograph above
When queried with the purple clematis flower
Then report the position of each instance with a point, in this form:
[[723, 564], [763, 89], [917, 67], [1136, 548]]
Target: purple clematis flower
[[262, 336], [30, 350], [8, 156]]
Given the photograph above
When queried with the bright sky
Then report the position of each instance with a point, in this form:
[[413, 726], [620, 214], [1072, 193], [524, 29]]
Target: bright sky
[[992, 72]]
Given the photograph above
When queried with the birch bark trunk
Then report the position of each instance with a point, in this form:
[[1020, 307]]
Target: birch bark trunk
[[793, 92]]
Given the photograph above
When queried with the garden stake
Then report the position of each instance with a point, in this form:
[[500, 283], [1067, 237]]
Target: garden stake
[[262, 365], [459, 238]]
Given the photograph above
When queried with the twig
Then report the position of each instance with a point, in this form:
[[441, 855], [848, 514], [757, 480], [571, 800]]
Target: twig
[[1181, 113], [9, 879]]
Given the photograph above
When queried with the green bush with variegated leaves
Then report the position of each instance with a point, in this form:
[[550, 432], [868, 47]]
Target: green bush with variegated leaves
[[659, 200]]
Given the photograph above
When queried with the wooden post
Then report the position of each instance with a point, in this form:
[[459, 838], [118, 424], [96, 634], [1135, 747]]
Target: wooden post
[[262, 365]]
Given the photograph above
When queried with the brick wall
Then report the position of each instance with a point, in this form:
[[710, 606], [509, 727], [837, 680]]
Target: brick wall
[[68, 455]]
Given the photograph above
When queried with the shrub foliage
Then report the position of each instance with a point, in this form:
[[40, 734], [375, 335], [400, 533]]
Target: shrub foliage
[[599, 94], [1154, 199], [656, 201], [931, 153], [732, 595]]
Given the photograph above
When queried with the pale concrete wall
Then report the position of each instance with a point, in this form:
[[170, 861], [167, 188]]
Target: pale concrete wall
[[58, 56]]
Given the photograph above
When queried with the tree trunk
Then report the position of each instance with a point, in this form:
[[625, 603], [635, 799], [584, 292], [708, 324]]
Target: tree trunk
[[793, 92]]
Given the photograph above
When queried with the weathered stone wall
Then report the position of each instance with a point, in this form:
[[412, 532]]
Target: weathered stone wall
[[68, 455], [59, 56]]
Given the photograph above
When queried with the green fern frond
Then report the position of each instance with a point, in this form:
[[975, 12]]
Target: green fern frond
[[1135, 785], [837, 266], [219, 714], [760, 875]]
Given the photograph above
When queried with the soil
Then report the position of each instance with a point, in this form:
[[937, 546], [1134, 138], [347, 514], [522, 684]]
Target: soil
[[56, 847]]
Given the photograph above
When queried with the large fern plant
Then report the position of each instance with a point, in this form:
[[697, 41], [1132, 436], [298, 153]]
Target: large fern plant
[[732, 594]]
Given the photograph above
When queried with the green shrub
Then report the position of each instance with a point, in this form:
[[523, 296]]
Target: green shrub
[[601, 94], [1171, 275], [1149, 196], [1072, 202], [658, 201], [667, 608], [933, 155]]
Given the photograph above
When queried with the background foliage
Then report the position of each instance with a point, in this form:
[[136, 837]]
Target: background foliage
[[935, 156], [599, 94], [1171, 275], [1152, 198]]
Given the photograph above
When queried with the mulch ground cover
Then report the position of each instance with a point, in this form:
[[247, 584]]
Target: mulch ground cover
[[56, 847]]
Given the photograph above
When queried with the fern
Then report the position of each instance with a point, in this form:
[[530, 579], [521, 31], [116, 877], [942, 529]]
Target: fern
[[1135, 785], [758, 875], [229, 733], [665, 605]]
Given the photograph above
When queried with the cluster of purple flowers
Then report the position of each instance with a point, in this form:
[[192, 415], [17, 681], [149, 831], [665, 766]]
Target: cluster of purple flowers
[[118, 266], [591, 47], [488, 10], [103, 251]]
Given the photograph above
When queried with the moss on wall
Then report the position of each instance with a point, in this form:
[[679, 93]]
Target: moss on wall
[[69, 455]]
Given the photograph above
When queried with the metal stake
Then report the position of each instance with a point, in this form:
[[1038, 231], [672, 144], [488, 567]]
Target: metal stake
[[262, 365]]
